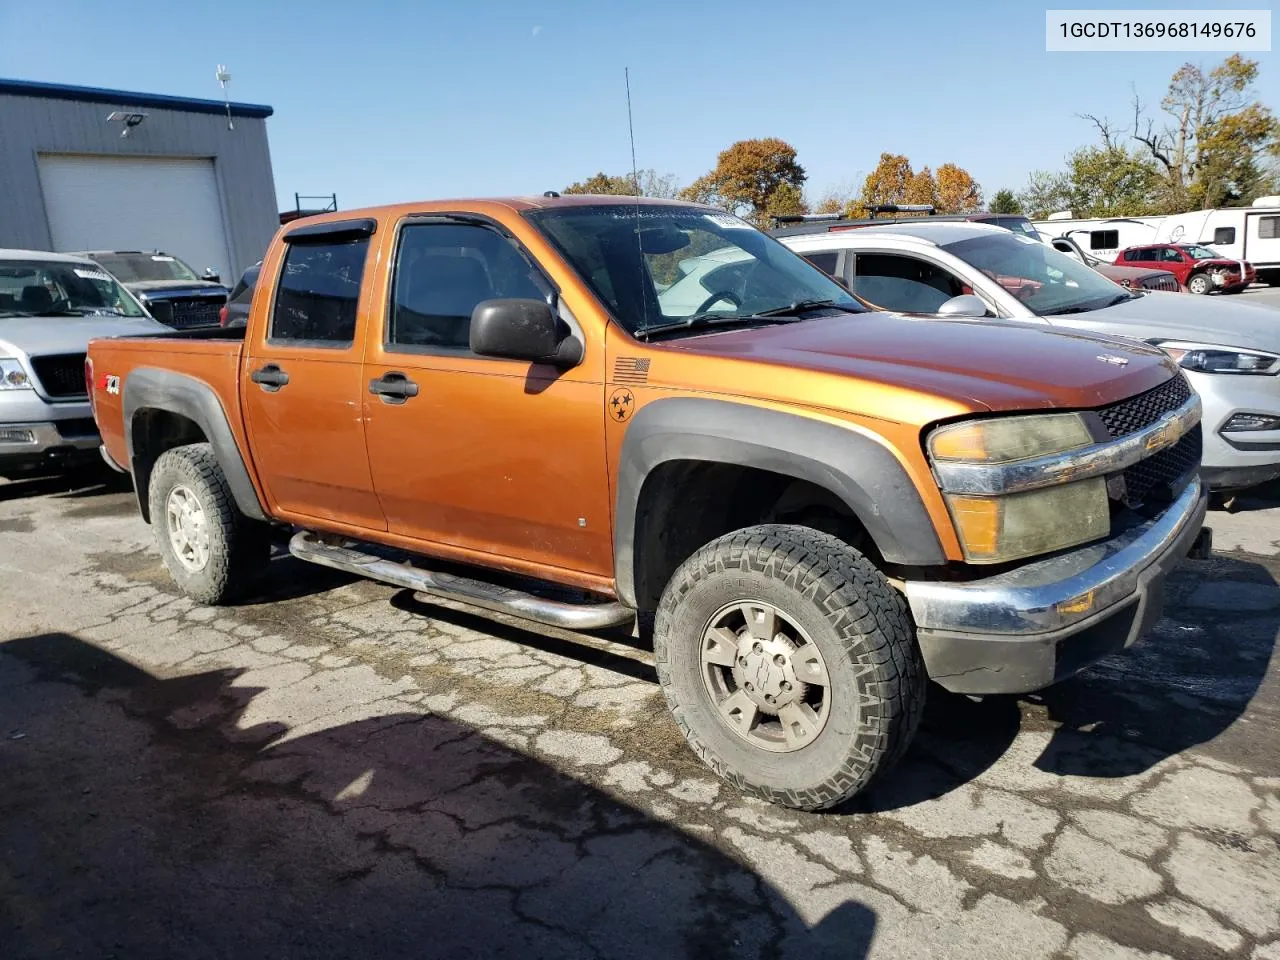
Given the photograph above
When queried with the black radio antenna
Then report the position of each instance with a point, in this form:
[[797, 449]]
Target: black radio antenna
[[635, 185], [631, 130]]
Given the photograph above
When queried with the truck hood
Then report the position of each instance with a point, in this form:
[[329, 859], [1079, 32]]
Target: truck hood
[[39, 336], [1001, 366], [1175, 316], [176, 288]]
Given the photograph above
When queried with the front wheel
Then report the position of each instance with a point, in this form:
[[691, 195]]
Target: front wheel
[[1199, 284], [790, 664]]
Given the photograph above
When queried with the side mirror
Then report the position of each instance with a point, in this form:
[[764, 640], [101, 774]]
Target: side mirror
[[965, 305], [523, 330], [211, 275]]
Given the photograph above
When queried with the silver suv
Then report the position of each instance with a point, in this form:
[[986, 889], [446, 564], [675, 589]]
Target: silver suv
[[51, 305], [969, 270]]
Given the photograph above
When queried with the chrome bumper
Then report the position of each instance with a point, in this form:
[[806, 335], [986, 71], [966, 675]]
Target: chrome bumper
[[40, 440], [1027, 628]]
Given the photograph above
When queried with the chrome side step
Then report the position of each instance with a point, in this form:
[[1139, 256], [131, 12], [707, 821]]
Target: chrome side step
[[572, 616]]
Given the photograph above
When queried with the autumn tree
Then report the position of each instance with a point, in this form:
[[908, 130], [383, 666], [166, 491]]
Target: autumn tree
[[1004, 201], [752, 178], [1216, 138], [957, 191], [951, 190], [887, 183], [651, 184], [922, 188]]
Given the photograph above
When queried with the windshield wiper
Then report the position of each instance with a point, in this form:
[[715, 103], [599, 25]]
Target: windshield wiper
[[701, 320], [800, 306], [1089, 307]]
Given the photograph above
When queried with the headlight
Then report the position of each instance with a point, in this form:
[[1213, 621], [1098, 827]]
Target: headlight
[[1211, 359], [1009, 438], [12, 376], [996, 529]]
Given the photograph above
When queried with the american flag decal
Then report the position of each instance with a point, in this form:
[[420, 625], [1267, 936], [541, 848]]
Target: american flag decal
[[631, 370]]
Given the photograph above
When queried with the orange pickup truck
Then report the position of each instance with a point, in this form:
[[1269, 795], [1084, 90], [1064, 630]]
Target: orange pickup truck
[[589, 411]]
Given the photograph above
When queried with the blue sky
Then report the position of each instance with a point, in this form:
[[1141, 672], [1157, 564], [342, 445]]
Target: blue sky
[[382, 101]]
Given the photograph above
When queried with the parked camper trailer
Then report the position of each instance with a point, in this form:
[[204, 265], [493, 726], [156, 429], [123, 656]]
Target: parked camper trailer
[[1101, 237], [1238, 233]]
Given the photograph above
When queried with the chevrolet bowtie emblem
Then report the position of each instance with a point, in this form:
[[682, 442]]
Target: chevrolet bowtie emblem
[[1112, 358]]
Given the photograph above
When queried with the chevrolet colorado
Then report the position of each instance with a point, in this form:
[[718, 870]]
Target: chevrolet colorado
[[552, 407]]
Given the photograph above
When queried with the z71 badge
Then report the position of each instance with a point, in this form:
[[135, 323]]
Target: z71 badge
[[109, 383]]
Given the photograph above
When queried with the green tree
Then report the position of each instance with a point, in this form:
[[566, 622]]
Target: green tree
[[1004, 201], [651, 184], [1046, 192], [750, 178], [603, 184], [1112, 182], [1216, 139]]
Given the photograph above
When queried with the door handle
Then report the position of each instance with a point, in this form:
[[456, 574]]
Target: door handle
[[393, 387], [270, 378]]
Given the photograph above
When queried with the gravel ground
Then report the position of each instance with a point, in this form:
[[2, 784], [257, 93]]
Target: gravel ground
[[337, 769]]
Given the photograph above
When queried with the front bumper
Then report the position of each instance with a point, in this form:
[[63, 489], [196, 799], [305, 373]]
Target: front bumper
[[25, 446], [1025, 629], [1237, 459]]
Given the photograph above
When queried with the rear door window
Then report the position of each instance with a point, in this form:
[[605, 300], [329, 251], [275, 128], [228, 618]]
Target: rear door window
[[318, 292], [906, 284]]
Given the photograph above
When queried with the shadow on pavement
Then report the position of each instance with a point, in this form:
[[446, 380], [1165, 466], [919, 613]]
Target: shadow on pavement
[[143, 817], [1185, 684], [91, 480]]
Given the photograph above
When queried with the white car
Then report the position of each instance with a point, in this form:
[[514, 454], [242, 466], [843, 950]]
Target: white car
[[1230, 351]]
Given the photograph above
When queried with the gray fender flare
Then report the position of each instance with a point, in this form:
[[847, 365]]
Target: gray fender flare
[[147, 388], [853, 466]]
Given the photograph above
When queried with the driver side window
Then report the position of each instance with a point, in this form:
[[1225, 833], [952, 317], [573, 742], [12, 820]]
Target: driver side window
[[905, 284], [1170, 255]]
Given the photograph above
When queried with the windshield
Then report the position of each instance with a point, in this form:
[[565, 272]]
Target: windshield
[[44, 288], [1043, 279], [1016, 224], [1197, 252], [684, 262], [136, 267]]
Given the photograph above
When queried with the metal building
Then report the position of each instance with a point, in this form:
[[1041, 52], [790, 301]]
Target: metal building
[[83, 168]]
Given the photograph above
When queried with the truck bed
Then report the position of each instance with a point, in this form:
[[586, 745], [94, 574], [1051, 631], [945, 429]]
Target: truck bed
[[211, 356]]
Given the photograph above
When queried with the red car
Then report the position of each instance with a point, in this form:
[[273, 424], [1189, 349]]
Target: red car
[[1197, 268]]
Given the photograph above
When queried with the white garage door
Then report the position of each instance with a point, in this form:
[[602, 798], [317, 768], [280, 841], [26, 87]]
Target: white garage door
[[136, 203]]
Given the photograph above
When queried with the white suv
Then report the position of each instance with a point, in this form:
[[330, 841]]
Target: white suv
[[970, 270]]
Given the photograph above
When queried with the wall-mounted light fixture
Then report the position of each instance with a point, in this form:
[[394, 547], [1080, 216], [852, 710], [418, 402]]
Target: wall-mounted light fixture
[[130, 119]]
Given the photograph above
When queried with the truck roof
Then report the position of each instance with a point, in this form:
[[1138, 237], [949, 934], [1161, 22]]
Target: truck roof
[[518, 203], [47, 255]]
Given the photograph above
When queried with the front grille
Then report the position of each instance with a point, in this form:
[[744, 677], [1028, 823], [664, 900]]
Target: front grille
[[195, 313], [184, 313], [1137, 413], [1153, 480], [61, 376], [1166, 282]]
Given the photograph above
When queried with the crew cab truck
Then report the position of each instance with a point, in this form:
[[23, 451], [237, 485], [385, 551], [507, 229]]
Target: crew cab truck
[[524, 404]]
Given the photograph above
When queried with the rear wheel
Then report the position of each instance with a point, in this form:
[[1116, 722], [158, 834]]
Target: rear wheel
[[790, 664], [213, 552], [1199, 284]]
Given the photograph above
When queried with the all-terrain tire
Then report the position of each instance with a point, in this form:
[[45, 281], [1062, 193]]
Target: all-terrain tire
[[238, 548], [862, 629]]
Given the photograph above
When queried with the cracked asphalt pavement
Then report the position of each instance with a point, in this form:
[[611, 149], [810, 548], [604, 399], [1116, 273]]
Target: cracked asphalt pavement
[[340, 769]]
